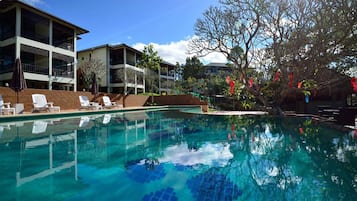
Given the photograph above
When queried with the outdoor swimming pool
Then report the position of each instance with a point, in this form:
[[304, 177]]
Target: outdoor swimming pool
[[169, 155]]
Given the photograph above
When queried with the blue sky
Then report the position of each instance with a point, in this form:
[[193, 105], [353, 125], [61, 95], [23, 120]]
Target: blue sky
[[167, 24]]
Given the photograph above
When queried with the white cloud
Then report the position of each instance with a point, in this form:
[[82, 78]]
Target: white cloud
[[177, 52]]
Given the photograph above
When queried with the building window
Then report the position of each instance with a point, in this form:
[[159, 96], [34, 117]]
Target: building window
[[63, 37], [8, 24], [116, 57], [7, 58], [34, 27]]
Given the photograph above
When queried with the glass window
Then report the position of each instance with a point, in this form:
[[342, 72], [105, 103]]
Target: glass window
[[8, 24], [7, 58], [34, 27], [116, 57], [63, 36]]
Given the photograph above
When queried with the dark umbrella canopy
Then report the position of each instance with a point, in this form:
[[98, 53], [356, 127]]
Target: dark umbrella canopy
[[94, 84], [18, 82]]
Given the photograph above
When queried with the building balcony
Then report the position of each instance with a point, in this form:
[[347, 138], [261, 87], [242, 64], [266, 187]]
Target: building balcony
[[63, 73], [30, 68], [167, 77]]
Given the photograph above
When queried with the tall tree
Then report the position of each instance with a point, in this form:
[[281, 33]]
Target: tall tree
[[193, 68], [87, 68], [150, 60], [234, 31], [296, 37]]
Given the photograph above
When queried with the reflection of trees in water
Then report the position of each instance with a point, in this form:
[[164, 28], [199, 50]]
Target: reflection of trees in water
[[277, 157], [271, 154]]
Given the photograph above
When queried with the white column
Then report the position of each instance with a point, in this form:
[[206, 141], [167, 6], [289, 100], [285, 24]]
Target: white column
[[136, 83], [50, 77], [160, 80], [125, 76], [18, 33], [107, 68], [75, 62], [144, 73]]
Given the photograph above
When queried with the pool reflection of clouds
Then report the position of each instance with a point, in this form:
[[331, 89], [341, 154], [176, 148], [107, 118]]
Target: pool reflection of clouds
[[216, 155]]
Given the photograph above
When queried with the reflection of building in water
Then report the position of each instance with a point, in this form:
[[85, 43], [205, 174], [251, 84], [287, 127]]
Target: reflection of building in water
[[106, 137], [135, 129], [61, 154]]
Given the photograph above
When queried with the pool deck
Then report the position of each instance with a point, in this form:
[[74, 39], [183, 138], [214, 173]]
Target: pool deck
[[236, 113]]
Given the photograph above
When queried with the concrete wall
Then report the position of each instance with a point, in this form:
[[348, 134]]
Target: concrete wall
[[68, 100]]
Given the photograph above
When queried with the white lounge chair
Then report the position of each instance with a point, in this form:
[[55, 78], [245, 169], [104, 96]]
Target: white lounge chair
[[86, 104], [40, 103], [107, 103], [5, 108]]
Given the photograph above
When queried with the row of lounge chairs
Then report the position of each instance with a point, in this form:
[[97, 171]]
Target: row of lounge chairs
[[40, 104], [107, 103]]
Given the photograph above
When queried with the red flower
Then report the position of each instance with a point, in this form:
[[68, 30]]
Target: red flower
[[354, 84], [231, 84]]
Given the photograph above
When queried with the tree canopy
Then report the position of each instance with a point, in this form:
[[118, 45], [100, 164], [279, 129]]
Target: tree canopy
[[150, 58], [87, 68], [150, 61], [298, 38], [193, 68]]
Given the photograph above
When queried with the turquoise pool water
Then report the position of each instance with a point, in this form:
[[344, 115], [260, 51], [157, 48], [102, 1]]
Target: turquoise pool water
[[169, 155]]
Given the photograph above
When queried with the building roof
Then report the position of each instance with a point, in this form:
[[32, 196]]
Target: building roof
[[122, 45], [9, 3], [167, 63], [217, 65]]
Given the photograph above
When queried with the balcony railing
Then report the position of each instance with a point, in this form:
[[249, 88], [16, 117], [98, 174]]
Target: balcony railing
[[65, 45], [30, 68], [62, 73], [6, 68]]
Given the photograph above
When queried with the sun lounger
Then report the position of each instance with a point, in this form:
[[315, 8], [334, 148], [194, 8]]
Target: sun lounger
[[107, 103], [5, 108], [86, 104], [40, 103]]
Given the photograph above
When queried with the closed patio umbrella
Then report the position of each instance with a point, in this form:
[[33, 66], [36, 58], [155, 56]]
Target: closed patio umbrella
[[18, 82]]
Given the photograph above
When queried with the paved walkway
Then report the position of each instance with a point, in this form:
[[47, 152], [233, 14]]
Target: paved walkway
[[236, 113]]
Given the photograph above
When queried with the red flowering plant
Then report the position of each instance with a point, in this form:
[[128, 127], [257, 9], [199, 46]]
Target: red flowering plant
[[238, 91]]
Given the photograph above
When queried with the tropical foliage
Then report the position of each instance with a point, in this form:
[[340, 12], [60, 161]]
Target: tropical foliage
[[150, 61], [297, 38]]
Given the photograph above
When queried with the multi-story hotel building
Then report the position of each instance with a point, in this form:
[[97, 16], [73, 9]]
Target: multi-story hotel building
[[45, 44], [122, 75], [120, 61]]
